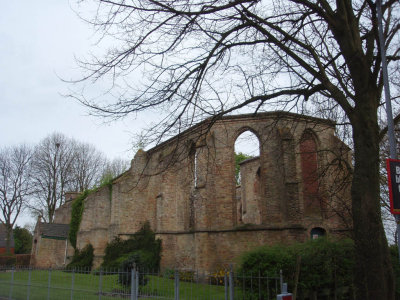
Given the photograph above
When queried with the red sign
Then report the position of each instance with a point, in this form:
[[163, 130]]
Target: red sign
[[287, 296], [393, 170]]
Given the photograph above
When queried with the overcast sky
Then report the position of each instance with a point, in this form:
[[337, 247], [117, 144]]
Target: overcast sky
[[38, 41]]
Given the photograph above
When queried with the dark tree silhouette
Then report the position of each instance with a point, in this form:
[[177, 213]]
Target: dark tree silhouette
[[15, 185], [59, 165], [210, 58]]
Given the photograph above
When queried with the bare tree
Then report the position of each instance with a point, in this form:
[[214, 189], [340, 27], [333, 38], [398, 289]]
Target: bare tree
[[15, 185], [210, 58], [62, 164], [113, 168], [87, 167], [51, 173]]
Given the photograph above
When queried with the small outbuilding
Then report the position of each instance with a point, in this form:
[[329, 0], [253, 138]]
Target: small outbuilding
[[50, 245]]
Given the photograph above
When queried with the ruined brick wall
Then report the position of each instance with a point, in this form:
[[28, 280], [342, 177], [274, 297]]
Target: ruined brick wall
[[250, 193], [186, 189], [63, 213], [94, 227]]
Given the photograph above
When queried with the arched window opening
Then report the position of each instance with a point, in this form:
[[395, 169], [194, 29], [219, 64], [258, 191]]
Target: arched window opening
[[317, 232], [247, 147], [309, 167], [247, 177]]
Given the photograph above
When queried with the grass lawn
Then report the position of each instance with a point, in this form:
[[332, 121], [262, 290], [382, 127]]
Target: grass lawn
[[164, 288], [86, 286]]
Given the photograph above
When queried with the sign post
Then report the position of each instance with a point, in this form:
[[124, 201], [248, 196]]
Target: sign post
[[284, 295], [393, 171], [391, 136]]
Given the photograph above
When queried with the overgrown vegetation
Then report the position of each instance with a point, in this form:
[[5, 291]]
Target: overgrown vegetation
[[78, 207], [142, 251], [76, 217], [22, 240], [321, 266], [82, 259]]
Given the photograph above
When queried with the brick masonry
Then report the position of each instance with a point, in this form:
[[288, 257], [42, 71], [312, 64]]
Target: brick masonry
[[186, 188]]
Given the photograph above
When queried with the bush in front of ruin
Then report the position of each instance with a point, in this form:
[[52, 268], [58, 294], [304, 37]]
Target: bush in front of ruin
[[142, 251], [324, 267], [82, 259]]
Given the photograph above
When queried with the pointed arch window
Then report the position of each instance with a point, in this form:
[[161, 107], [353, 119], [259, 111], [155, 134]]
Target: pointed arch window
[[309, 167], [247, 177]]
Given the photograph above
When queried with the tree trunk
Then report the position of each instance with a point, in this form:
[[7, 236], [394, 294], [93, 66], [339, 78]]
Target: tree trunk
[[373, 270], [8, 238]]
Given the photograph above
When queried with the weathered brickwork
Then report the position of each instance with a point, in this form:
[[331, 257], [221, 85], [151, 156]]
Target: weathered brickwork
[[50, 248], [186, 188], [250, 196], [95, 223]]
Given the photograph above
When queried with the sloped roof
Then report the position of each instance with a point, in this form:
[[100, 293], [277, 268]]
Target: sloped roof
[[3, 236], [54, 230]]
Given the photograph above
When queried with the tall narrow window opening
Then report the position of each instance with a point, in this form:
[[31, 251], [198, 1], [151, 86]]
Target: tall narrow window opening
[[309, 166], [246, 146], [247, 177], [195, 168]]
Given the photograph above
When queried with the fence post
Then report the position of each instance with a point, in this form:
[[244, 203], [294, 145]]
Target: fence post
[[134, 286], [29, 284], [72, 283], [100, 283], [137, 283], [226, 285], [48, 285], [12, 283], [231, 284], [281, 280], [176, 285]]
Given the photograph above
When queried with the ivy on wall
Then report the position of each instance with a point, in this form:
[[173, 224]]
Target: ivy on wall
[[76, 217], [77, 211]]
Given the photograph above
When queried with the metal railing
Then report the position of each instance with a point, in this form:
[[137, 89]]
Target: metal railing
[[32, 284]]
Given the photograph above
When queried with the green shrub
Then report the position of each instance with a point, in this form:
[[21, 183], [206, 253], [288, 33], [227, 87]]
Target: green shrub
[[325, 265], [139, 260], [82, 259], [142, 244], [22, 240]]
